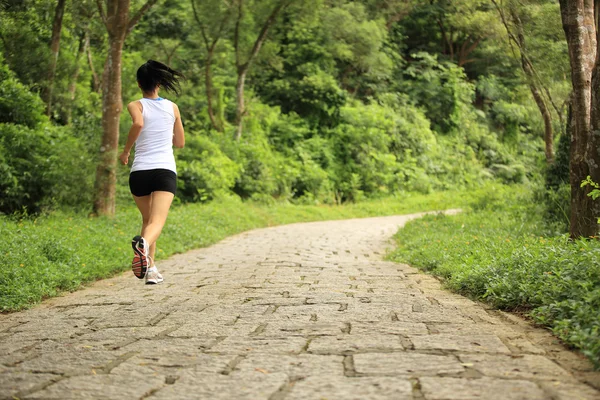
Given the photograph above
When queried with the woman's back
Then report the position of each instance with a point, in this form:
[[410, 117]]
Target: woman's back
[[154, 146]]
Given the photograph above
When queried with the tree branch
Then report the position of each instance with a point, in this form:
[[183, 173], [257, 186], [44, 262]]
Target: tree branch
[[101, 10], [136, 18], [265, 30], [236, 34]]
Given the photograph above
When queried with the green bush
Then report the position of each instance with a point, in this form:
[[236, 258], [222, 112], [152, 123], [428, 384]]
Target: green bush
[[17, 104], [204, 172], [42, 167]]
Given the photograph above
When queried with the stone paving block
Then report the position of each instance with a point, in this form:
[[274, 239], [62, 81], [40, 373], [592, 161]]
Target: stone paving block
[[68, 362], [163, 361], [469, 329], [100, 386], [336, 387], [172, 344], [392, 328], [285, 329], [406, 364], [569, 391], [522, 366], [479, 389], [11, 344], [12, 382], [521, 344], [431, 314], [244, 344], [193, 386], [119, 335], [299, 366], [471, 343], [207, 328], [90, 312], [349, 344], [54, 328]]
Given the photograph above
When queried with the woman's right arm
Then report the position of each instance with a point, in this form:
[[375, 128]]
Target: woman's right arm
[[178, 136], [135, 110]]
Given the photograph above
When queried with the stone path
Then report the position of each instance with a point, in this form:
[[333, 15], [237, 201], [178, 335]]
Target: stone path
[[305, 311]]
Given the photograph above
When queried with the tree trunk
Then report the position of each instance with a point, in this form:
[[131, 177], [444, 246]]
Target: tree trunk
[[210, 50], [240, 109], [242, 69], [209, 91], [535, 92], [75, 76], [54, 48], [112, 105], [578, 19], [95, 80]]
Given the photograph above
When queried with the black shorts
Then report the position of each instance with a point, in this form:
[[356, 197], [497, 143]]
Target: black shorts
[[143, 183]]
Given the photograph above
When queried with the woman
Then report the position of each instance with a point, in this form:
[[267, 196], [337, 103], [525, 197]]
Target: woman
[[155, 130]]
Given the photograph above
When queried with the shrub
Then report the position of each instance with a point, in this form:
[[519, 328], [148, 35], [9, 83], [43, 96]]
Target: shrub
[[204, 172], [17, 104]]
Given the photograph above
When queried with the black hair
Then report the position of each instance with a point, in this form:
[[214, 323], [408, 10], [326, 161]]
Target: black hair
[[154, 73]]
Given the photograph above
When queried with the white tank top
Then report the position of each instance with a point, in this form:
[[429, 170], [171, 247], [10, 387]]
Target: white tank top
[[154, 146]]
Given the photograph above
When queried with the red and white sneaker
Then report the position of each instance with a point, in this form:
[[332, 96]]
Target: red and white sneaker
[[141, 261]]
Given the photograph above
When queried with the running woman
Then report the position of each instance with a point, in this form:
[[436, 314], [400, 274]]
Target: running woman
[[156, 128]]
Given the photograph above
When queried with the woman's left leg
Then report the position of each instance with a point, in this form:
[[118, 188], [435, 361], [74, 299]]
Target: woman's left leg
[[159, 209]]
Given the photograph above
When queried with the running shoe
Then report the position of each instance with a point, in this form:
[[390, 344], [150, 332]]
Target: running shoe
[[153, 276], [140, 262]]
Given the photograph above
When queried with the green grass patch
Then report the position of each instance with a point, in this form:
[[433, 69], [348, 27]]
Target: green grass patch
[[44, 256], [499, 252]]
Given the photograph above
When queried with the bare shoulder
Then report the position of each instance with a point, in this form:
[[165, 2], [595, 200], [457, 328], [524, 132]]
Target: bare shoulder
[[135, 105], [175, 109]]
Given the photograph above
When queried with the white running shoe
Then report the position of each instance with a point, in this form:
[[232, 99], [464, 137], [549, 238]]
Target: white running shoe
[[153, 276]]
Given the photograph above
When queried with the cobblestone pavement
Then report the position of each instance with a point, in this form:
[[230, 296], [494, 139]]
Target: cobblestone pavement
[[304, 311]]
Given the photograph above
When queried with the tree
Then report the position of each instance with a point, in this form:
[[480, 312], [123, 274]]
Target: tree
[[579, 23], [242, 66], [118, 25], [212, 30], [516, 34], [54, 48]]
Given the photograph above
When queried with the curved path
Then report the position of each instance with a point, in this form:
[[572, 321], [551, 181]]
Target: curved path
[[304, 311]]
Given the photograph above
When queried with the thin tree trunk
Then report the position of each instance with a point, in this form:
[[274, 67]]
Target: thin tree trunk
[[75, 76], [579, 25], [240, 109], [95, 79], [54, 49], [209, 90], [210, 50], [112, 105], [535, 92], [242, 69]]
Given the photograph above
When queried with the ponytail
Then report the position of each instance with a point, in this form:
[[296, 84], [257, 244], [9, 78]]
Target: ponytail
[[154, 73]]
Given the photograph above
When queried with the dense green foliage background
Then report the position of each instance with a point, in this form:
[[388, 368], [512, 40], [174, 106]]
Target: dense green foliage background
[[346, 99]]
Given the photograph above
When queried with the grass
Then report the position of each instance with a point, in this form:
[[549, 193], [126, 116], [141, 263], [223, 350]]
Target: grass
[[499, 252], [44, 256]]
